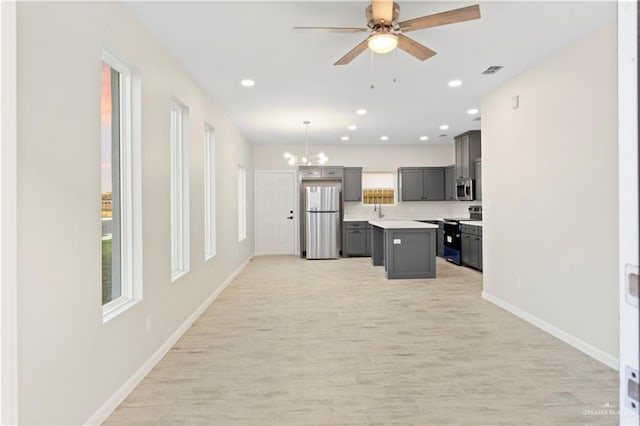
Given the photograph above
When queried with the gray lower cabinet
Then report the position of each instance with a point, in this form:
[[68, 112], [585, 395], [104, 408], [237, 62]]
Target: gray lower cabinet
[[352, 184], [356, 241], [471, 246], [450, 183], [439, 236], [404, 253], [465, 249], [421, 183], [410, 253]]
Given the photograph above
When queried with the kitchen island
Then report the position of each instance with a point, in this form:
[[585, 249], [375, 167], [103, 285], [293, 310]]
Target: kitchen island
[[406, 248]]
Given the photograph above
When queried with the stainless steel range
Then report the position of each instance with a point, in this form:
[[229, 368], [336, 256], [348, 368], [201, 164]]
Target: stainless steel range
[[452, 235]]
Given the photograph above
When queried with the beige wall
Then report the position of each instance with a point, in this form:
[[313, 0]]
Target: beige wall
[[373, 158], [69, 362], [550, 194]]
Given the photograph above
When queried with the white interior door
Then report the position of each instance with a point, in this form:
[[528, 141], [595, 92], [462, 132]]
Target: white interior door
[[275, 212], [628, 29]]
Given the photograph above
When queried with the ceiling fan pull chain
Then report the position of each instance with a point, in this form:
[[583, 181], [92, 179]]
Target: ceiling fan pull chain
[[395, 68], [372, 87]]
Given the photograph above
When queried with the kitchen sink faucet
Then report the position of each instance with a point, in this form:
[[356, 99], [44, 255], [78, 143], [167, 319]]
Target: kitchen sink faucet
[[378, 207]]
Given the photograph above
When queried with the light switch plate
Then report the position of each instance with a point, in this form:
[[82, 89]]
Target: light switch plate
[[515, 101]]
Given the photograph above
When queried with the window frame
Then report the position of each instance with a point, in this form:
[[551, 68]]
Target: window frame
[[393, 175], [130, 189], [242, 203], [209, 192], [179, 188]]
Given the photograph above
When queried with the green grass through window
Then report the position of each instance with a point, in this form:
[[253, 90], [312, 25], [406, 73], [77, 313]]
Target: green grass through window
[[106, 271]]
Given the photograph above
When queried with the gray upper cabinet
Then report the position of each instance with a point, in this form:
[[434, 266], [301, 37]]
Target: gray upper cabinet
[[310, 172], [434, 184], [468, 149], [412, 184], [352, 184], [478, 171], [450, 183], [332, 172], [321, 173], [421, 183]]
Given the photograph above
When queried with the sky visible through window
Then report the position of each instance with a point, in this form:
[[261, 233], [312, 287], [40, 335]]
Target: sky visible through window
[[105, 123]]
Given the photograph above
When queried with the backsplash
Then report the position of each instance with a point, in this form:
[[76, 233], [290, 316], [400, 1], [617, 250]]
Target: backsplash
[[411, 210]]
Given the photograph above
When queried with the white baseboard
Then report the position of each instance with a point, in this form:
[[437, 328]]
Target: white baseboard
[[116, 399], [603, 357]]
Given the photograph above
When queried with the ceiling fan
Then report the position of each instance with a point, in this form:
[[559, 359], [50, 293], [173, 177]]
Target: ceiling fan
[[387, 32]]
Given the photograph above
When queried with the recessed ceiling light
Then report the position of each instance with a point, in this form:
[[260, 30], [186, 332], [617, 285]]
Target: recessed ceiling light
[[361, 111], [248, 83], [444, 127], [344, 138], [455, 83], [384, 138], [352, 127], [472, 111], [424, 138]]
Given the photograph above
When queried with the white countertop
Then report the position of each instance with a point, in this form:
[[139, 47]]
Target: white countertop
[[471, 222], [383, 219], [402, 224]]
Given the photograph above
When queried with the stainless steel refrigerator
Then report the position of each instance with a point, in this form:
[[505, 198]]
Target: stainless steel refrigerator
[[323, 221]]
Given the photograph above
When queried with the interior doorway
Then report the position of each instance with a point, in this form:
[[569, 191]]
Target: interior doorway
[[8, 217], [275, 215], [628, 146]]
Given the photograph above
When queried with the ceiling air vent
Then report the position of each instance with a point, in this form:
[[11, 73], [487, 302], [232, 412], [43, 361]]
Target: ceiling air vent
[[492, 69]]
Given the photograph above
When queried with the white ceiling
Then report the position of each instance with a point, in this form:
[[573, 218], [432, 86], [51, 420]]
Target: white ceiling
[[220, 43]]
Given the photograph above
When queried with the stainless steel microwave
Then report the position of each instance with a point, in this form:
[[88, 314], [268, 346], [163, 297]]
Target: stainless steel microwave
[[464, 189]]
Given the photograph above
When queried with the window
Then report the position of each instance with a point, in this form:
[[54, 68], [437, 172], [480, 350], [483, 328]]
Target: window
[[209, 192], [242, 203], [179, 159], [378, 188], [120, 188]]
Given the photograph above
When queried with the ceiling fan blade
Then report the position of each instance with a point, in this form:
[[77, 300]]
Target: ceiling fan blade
[[361, 47], [382, 10], [414, 48], [444, 18], [331, 29]]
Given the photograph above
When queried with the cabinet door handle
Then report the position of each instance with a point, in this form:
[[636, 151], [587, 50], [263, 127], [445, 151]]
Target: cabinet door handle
[[289, 217]]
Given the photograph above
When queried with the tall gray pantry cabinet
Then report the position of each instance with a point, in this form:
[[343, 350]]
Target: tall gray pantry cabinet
[[467, 149]]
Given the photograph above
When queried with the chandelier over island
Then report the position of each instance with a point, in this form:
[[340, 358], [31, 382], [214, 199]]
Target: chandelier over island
[[306, 159]]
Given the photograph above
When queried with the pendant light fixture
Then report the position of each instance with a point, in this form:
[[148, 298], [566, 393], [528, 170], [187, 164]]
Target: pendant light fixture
[[306, 159]]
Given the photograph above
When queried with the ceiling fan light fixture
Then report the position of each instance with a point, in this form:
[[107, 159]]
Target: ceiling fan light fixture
[[383, 42]]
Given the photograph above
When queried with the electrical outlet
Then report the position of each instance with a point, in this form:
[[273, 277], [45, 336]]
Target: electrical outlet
[[149, 323]]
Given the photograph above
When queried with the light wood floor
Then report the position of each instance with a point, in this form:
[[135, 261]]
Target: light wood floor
[[296, 342]]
